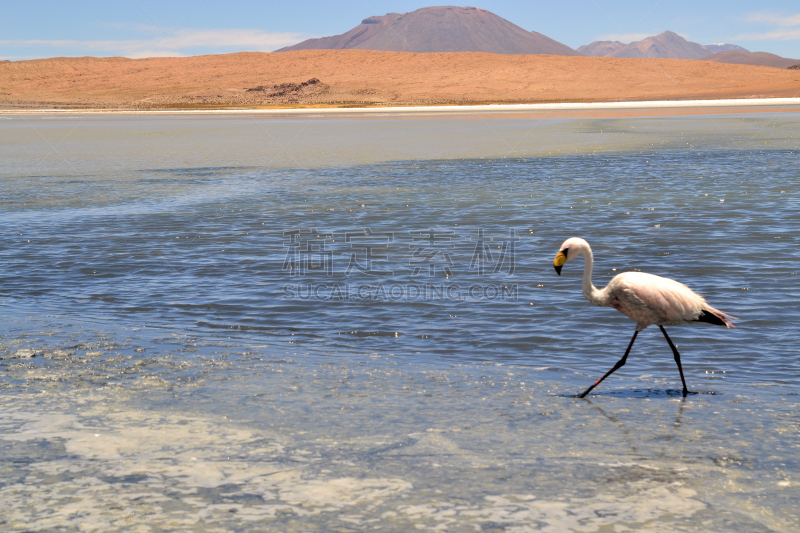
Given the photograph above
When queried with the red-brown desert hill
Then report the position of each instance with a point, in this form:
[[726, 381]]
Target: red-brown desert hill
[[763, 59], [365, 77], [439, 29]]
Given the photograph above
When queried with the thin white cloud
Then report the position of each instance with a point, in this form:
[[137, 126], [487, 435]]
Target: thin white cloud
[[788, 27], [180, 43], [773, 19], [245, 39], [789, 34]]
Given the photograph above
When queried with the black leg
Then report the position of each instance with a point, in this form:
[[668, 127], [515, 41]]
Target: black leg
[[616, 367], [677, 359]]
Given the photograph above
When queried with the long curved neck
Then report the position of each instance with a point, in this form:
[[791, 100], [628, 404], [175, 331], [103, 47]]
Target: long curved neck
[[589, 290]]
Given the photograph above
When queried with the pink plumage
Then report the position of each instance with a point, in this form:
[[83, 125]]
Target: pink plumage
[[650, 299]]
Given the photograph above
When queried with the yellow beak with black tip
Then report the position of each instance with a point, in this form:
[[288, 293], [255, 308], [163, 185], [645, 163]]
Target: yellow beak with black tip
[[559, 261]]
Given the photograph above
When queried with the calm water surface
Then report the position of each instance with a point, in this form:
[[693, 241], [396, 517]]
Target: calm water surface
[[316, 323]]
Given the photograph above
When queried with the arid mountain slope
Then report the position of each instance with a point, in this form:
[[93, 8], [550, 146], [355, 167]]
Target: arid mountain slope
[[439, 29]]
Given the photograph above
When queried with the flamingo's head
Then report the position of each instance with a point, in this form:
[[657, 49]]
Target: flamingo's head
[[572, 248]]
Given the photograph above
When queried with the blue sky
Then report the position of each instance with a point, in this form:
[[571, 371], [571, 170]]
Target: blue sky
[[145, 28]]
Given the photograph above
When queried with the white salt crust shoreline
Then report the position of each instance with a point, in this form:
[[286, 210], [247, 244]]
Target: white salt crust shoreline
[[771, 103]]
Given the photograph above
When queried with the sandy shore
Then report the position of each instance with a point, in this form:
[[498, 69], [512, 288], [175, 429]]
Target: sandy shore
[[361, 78]]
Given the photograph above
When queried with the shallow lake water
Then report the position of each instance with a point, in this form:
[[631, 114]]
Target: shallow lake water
[[320, 323]]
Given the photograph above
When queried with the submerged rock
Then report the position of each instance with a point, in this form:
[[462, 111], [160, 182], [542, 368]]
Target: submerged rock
[[25, 353]]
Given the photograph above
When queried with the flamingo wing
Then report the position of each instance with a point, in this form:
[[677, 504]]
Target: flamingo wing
[[650, 299]]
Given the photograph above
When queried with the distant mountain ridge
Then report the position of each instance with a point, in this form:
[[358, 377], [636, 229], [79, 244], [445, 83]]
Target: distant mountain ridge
[[471, 29], [667, 45], [670, 45], [439, 29]]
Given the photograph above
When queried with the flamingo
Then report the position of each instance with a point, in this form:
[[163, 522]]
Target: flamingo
[[645, 298]]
